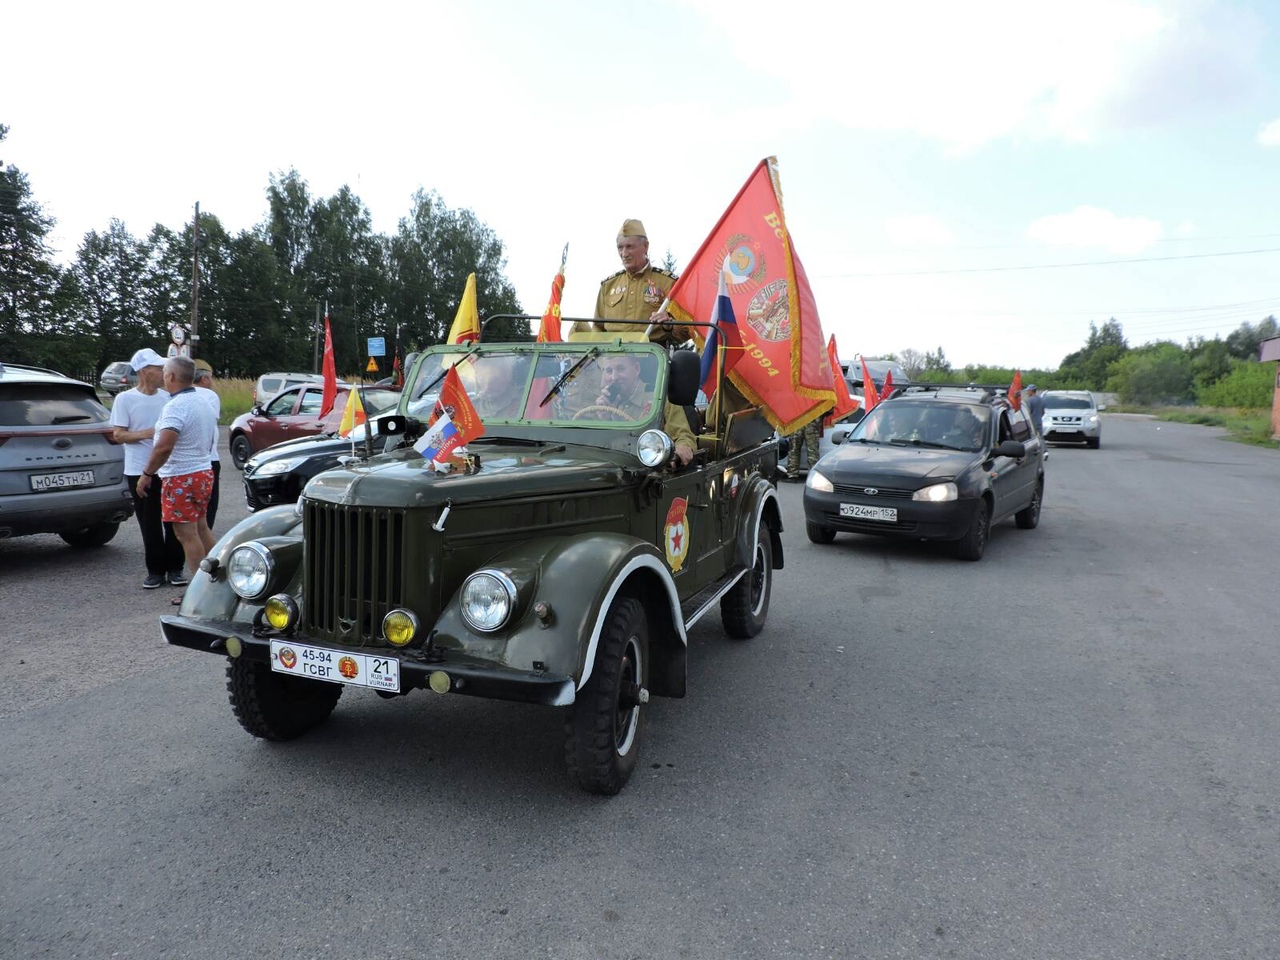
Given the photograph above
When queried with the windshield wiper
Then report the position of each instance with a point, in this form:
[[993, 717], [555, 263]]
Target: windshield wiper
[[904, 442], [569, 375], [72, 418]]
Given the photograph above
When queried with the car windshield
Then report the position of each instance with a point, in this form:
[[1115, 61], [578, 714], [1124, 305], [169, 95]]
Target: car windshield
[[944, 426], [48, 405], [1057, 402], [567, 385]]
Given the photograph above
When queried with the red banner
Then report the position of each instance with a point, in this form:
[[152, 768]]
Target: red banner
[[549, 330], [329, 392], [784, 366], [845, 403], [1015, 391]]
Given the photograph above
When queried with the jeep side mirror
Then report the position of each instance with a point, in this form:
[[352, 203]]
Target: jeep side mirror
[[684, 377]]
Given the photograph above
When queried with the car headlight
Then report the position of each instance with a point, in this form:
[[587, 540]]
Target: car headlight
[[249, 570], [283, 465], [937, 493], [818, 481], [1093, 418], [487, 601], [653, 448]]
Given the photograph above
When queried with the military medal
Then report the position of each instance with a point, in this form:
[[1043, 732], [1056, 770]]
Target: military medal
[[652, 294]]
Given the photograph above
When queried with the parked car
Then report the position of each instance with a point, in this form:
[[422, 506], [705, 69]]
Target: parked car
[[1071, 416], [561, 562], [59, 470], [117, 377], [269, 384], [278, 474], [294, 413], [932, 463]]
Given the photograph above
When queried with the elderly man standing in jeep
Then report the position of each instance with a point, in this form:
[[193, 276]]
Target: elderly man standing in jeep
[[636, 292]]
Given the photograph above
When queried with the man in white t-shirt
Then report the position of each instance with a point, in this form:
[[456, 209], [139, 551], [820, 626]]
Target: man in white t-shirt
[[204, 387], [184, 434], [133, 418]]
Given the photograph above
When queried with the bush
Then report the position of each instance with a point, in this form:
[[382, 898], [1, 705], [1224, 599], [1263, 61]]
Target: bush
[[1249, 385]]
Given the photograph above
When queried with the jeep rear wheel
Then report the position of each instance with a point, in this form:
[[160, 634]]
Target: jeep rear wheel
[[94, 536], [744, 608], [274, 706], [602, 731]]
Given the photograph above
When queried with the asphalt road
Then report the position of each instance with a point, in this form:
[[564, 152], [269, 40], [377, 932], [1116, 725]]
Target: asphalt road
[[1067, 750]]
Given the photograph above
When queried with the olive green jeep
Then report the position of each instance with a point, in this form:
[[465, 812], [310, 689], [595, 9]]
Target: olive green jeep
[[561, 561]]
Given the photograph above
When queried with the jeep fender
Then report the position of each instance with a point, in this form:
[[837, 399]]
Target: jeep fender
[[759, 506], [578, 579], [211, 598]]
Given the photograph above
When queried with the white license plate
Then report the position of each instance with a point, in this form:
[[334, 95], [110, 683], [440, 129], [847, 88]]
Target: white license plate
[[60, 481], [1066, 429], [335, 666], [859, 512]]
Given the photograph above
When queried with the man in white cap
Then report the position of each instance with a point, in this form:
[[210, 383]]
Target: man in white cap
[[133, 419]]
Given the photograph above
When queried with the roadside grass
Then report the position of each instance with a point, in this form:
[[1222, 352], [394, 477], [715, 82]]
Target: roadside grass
[[1249, 426], [236, 396]]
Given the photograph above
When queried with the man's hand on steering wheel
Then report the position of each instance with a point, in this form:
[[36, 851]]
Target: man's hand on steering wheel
[[681, 455]]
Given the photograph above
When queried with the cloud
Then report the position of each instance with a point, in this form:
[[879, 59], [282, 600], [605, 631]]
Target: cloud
[[1095, 228], [916, 230], [1269, 133]]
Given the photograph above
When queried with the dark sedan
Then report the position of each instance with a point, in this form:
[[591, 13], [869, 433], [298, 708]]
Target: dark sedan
[[278, 474], [930, 464]]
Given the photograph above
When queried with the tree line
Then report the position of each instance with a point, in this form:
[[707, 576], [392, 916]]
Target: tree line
[[260, 290]]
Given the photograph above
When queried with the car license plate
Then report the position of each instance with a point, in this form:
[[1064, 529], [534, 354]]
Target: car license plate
[[335, 666], [60, 481], [1066, 429], [859, 512]]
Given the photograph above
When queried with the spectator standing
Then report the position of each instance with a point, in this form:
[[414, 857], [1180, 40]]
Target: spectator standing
[[808, 434], [134, 413], [204, 387], [184, 434], [1035, 407]]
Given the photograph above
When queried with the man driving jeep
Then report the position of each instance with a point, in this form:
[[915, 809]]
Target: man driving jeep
[[622, 389]]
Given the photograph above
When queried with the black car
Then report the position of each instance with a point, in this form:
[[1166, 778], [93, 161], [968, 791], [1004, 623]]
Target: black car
[[931, 463], [277, 474]]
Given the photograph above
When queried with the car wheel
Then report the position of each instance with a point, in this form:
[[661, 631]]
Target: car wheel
[[241, 450], [745, 607], [274, 706], [818, 533], [602, 732], [1029, 516], [974, 543], [1094, 442], [94, 536]]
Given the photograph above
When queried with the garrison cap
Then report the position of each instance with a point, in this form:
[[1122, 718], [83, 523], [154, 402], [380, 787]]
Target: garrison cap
[[203, 365], [632, 228]]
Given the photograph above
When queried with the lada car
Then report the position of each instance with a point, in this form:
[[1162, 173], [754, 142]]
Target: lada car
[[930, 463], [60, 472], [1071, 416], [561, 561]]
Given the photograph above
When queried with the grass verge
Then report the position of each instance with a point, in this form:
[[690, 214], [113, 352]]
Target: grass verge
[[1242, 425]]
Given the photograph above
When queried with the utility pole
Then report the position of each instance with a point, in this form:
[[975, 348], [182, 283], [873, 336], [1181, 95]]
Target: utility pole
[[195, 285], [315, 341]]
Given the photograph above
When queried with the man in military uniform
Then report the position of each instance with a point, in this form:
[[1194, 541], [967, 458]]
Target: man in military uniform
[[808, 434], [622, 389], [636, 292]]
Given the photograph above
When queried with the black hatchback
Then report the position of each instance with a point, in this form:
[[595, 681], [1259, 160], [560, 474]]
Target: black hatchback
[[933, 463]]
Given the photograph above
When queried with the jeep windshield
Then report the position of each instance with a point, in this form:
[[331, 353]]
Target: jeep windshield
[[944, 426], [563, 385]]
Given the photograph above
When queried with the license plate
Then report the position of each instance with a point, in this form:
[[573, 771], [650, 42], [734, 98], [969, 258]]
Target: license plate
[[335, 666], [859, 512], [60, 481], [1066, 429]]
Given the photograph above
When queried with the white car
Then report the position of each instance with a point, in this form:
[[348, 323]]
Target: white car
[[1071, 416]]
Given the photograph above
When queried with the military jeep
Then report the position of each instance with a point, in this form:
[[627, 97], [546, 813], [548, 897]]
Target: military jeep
[[561, 561]]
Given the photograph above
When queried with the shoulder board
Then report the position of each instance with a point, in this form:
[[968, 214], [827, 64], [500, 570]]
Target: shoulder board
[[611, 276], [665, 273]]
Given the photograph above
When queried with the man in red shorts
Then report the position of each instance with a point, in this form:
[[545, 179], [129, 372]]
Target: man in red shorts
[[180, 457]]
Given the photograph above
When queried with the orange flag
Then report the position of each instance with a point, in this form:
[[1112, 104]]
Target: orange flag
[[1015, 390], [784, 368], [549, 329], [888, 383], [869, 396], [329, 392], [844, 402]]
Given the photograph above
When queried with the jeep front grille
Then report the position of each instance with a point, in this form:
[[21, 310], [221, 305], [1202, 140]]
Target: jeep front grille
[[354, 570]]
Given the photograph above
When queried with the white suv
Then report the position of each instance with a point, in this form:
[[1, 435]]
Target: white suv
[[1071, 416]]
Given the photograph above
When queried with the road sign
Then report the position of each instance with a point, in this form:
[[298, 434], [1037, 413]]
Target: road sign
[[372, 367], [377, 346]]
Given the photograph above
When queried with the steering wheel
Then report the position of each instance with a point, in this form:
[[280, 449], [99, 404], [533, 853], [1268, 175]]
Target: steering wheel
[[605, 408]]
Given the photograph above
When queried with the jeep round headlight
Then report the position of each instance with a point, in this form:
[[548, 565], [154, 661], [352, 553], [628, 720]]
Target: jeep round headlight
[[488, 598], [653, 448], [249, 570], [938, 493]]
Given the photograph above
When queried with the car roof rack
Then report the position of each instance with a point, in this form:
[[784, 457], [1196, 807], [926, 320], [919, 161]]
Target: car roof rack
[[982, 392]]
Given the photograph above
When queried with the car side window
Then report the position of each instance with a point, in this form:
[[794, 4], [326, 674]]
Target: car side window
[[283, 405], [311, 403], [1020, 426]]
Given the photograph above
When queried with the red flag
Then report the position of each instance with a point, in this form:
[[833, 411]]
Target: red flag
[[844, 402], [888, 383], [453, 422], [549, 331], [327, 368], [1015, 390], [869, 396], [784, 368]]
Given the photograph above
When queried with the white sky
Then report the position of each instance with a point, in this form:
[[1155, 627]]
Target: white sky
[[928, 151]]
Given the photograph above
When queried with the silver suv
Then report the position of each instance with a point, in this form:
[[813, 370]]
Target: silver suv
[[59, 471], [1071, 416]]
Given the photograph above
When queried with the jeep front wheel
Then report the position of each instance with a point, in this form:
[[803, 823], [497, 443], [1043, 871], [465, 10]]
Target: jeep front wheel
[[602, 731], [274, 706], [744, 608]]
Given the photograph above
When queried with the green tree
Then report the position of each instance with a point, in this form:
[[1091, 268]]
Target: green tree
[[1090, 367], [1243, 341], [1152, 373], [1249, 384], [111, 269]]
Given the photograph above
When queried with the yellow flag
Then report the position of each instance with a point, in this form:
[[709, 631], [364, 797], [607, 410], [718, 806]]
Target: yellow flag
[[353, 416], [466, 325]]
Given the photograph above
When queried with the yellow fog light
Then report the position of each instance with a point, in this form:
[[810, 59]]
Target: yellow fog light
[[399, 627], [281, 612], [439, 681]]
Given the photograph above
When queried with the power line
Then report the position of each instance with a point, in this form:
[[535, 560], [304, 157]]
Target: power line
[[1051, 266]]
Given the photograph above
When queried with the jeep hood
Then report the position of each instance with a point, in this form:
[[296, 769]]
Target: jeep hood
[[867, 463]]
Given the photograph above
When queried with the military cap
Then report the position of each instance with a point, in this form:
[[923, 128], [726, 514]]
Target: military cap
[[204, 365], [632, 228]]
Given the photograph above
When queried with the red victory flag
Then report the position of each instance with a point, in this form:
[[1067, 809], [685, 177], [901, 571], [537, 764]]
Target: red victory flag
[[869, 396], [888, 384], [453, 422], [845, 403], [549, 330], [784, 366], [1015, 390], [328, 370]]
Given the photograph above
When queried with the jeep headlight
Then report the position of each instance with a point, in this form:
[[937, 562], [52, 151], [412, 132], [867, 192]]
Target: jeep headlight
[[249, 570], [937, 493], [487, 601], [283, 465], [818, 481], [653, 448]]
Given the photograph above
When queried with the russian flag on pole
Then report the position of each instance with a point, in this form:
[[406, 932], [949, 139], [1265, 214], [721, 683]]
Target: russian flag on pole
[[724, 336], [453, 423]]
